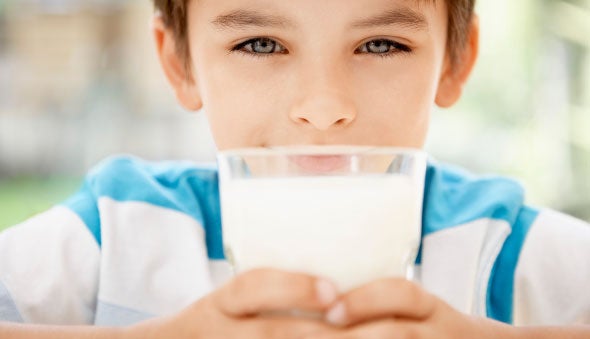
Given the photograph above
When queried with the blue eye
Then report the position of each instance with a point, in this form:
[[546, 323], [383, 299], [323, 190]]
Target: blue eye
[[382, 47], [260, 46]]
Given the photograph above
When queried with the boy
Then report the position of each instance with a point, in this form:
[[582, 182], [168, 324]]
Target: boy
[[140, 243]]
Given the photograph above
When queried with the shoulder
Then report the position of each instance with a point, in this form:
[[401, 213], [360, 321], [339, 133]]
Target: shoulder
[[534, 258], [118, 176], [453, 197], [177, 185]]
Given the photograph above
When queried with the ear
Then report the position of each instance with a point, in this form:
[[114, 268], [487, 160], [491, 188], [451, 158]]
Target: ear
[[174, 66], [454, 77]]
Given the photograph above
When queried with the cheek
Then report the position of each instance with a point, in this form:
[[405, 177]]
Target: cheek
[[398, 95], [240, 100]]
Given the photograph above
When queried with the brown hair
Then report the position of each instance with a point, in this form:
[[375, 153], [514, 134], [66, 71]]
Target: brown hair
[[174, 15]]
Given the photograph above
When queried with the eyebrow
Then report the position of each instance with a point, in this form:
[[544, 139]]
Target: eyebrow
[[405, 17], [244, 18]]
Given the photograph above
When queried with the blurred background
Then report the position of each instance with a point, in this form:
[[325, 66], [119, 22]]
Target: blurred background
[[79, 81]]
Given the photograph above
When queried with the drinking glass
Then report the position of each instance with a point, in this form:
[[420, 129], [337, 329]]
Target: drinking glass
[[348, 213]]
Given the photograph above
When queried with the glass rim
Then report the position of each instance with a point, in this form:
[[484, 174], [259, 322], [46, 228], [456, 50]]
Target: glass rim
[[328, 150]]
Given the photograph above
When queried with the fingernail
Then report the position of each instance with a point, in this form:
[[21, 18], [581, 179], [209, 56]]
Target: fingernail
[[326, 292], [337, 314]]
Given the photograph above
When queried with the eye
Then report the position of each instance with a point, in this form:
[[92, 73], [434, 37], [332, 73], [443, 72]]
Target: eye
[[383, 47], [260, 46]]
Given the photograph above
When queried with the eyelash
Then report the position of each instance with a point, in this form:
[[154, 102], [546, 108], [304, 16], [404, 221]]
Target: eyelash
[[394, 48], [240, 48]]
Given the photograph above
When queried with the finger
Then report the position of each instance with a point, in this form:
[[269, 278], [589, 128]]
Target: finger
[[392, 297], [264, 290], [284, 328], [389, 328], [381, 329]]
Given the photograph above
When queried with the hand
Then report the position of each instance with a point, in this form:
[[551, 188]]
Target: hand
[[398, 308], [249, 306]]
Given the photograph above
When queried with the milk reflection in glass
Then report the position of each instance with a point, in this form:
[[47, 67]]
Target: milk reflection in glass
[[351, 228]]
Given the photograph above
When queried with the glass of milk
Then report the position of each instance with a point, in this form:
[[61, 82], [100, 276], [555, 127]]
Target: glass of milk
[[348, 213]]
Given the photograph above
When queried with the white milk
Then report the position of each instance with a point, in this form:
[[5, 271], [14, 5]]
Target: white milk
[[350, 229]]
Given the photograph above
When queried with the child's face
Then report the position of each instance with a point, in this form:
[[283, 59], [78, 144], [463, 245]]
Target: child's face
[[272, 73]]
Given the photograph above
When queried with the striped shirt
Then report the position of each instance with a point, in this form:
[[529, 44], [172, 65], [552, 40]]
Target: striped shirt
[[143, 239]]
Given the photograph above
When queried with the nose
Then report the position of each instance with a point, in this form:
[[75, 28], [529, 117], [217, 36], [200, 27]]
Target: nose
[[324, 102], [324, 111]]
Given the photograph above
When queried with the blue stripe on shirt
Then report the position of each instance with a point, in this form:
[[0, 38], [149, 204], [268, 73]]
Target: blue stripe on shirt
[[179, 186], [207, 186], [453, 197], [500, 294], [8, 309], [85, 205]]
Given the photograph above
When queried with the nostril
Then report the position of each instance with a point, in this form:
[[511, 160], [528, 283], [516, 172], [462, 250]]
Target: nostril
[[339, 122]]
